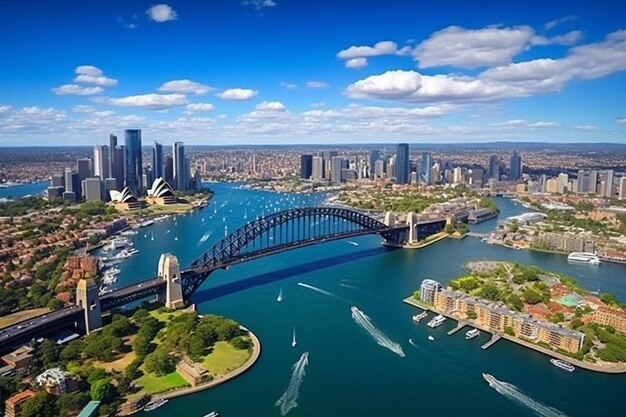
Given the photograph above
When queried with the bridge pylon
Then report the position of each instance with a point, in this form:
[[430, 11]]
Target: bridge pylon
[[169, 270], [87, 297]]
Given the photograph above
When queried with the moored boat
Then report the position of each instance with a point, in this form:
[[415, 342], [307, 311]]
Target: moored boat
[[436, 321], [472, 334], [153, 405], [563, 365]]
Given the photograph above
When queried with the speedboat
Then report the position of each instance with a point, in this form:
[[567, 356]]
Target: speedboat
[[430, 337], [212, 414]]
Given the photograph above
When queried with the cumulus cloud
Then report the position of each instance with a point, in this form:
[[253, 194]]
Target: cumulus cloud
[[472, 48], [161, 13], [569, 38], [317, 84], [237, 94], [621, 120], [516, 123], [554, 23], [289, 86], [185, 87], [356, 56], [88, 74], [83, 108], [148, 101], [585, 127], [259, 4], [199, 107], [271, 106], [77, 90]]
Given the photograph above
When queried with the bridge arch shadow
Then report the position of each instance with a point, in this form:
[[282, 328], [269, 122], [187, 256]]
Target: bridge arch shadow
[[223, 290]]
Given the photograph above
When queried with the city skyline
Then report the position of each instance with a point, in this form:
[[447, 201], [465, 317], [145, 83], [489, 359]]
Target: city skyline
[[502, 74]]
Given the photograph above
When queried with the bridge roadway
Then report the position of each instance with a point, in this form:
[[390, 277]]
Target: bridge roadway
[[39, 326]]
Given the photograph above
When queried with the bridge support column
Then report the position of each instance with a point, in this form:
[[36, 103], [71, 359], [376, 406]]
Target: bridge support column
[[87, 298], [410, 221], [169, 270]]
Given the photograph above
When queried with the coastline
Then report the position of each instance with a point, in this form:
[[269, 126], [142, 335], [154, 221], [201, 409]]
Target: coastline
[[256, 353], [617, 369]]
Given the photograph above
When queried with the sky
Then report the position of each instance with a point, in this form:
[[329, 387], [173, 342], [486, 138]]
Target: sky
[[312, 71]]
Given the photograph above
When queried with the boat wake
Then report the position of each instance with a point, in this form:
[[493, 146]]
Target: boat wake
[[364, 321], [513, 393], [352, 287], [287, 401], [205, 237], [352, 243], [321, 291], [412, 343]]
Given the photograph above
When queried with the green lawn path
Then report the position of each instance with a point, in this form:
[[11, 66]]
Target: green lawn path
[[224, 359]]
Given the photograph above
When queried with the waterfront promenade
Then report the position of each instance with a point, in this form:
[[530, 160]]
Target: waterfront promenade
[[604, 368]]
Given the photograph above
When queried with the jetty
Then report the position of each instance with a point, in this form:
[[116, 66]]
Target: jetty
[[458, 327], [494, 338]]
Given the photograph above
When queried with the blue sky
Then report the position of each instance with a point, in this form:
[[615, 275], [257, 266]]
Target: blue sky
[[293, 71]]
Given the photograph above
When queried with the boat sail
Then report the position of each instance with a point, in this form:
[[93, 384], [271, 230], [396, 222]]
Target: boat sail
[[280, 295]]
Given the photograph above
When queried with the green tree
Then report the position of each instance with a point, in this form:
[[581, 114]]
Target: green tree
[[101, 390], [73, 350], [490, 292], [41, 405], [241, 343], [160, 362], [557, 317], [49, 353], [531, 296], [515, 302], [96, 374], [70, 404], [509, 330], [102, 347], [471, 314]]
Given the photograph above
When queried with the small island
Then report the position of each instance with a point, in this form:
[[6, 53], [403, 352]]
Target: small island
[[541, 310]]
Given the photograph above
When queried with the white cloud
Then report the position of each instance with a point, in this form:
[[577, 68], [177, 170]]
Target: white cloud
[[517, 123], [148, 101], [544, 124], [238, 94], [4, 109], [32, 119], [161, 13], [317, 84], [553, 23], [89, 74], [83, 108], [289, 86], [466, 48], [356, 63], [259, 4], [621, 120], [569, 38], [387, 114], [76, 90], [199, 107], [585, 127], [271, 106], [185, 87]]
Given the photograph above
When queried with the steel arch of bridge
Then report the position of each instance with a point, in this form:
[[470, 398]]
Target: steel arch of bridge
[[297, 228]]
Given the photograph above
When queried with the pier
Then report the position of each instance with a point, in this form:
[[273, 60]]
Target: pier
[[458, 327], [475, 234], [494, 338]]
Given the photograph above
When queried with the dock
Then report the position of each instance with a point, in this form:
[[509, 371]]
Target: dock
[[494, 338], [458, 327]]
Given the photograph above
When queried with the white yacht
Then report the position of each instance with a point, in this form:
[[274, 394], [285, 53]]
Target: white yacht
[[472, 334], [563, 365], [584, 257], [436, 321]]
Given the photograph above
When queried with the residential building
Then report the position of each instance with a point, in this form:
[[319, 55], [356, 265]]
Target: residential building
[[477, 177], [614, 317], [457, 176], [402, 165], [428, 289], [92, 189], [56, 382], [13, 405], [622, 189], [133, 169], [379, 169], [19, 359], [306, 166], [564, 242], [57, 180]]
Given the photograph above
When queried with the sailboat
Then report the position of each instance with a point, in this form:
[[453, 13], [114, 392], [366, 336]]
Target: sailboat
[[152, 237], [430, 337], [293, 342], [280, 295]]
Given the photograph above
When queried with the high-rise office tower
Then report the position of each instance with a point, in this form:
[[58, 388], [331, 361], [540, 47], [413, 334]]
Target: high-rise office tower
[[112, 146], [92, 188], [583, 185], [119, 158], [317, 168], [426, 167], [402, 163], [57, 180], [72, 181], [494, 168], [180, 165], [306, 166], [328, 156], [169, 169], [622, 188], [379, 168], [337, 163], [133, 169], [101, 162], [608, 189], [374, 156], [83, 167], [515, 166], [157, 160]]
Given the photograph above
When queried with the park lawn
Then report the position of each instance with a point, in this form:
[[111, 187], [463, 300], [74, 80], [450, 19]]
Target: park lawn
[[224, 359], [13, 318], [153, 384], [162, 317]]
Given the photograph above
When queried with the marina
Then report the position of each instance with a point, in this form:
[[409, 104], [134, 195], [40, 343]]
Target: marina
[[418, 317], [436, 321]]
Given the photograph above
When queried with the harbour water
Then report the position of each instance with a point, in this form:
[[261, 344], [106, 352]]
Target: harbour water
[[22, 190], [349, 373]]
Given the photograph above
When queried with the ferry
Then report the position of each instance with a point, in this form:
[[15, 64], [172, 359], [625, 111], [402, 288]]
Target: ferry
[[584, 257], [436, 321], [563, 365], [153, 405], [472, 334], [418, 317]]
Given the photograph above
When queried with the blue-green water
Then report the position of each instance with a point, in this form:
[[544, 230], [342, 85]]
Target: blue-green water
[[349, 374], [22, 190]]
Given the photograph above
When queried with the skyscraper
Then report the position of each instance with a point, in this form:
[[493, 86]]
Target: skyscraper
[[101, 162], [118, 167], [180, 165], [83, 167], [306, 166], [494, 168], [133, 169], [157, 160], [374, 156], [426, 168], [402, 163], [112, 145], [515, 167], [337, 163], [169, 170], [317, 168]]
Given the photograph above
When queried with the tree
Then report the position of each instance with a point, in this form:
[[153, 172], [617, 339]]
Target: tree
[[197, 347], [160, 362], [556, 317], [490, 292], [515, 302], [41, 405], [509, 330], [241, 343], [120, 326], [96, 374], [100, 390], [73, 350], [471, 314], [531, 296], [141, 314], [49, 353], [70, 404], [102, 347], [576, 323]]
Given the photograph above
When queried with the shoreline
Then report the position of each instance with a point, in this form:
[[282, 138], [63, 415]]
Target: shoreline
[[617, 369], [254, 356]]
